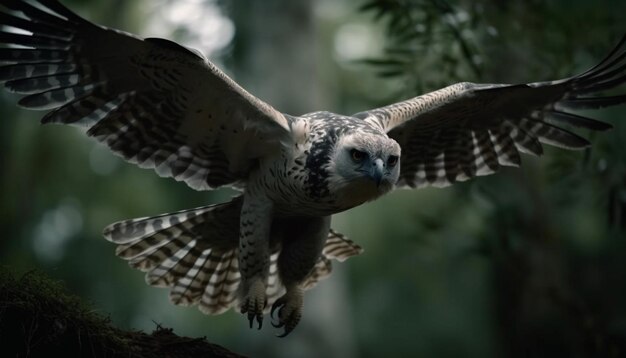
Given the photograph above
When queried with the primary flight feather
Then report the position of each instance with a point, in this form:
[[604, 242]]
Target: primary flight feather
[[163, 106]]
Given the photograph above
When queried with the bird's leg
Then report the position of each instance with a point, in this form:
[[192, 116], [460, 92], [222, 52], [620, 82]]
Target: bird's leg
[[289, 308], [254, 258], [301, 248]]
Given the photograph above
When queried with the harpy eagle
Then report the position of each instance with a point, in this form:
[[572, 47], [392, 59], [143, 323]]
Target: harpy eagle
[[162, 106]]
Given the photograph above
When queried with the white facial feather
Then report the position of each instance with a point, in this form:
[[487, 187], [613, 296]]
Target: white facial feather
[[348, 180]]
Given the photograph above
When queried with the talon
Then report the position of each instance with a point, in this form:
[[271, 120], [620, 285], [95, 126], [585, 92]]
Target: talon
[[279, 324], [289, 312], [279, 302], [288, 329], [278, 305], [254, 304], [289, 323]]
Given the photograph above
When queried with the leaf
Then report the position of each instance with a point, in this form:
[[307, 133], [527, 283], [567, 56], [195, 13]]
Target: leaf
[[382, 62], [387, 74]]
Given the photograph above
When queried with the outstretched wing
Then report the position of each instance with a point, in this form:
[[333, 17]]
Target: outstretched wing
[[155, 103], [467, 129]]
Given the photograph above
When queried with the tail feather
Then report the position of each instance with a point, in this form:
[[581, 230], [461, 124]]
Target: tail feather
[[323, 268], [145, 257], [175, 266], [195, 252], [218, 290], [188, 289], [134, 230], [339, 247]]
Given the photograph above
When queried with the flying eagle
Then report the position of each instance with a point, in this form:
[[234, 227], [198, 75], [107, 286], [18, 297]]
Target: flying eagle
[[163, 106]]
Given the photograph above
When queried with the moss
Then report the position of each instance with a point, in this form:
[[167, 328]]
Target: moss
[[38, 317]]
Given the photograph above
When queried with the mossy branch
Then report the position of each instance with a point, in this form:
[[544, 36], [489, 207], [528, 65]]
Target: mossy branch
[[38, 317]]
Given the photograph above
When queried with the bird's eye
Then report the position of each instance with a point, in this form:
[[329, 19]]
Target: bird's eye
[[357, 155], [392, 161]]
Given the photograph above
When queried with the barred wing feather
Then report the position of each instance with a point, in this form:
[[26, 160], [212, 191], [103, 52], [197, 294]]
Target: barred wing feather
[[467, 130], [154, 102]]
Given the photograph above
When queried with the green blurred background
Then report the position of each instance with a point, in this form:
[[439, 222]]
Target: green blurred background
[[526, 263]]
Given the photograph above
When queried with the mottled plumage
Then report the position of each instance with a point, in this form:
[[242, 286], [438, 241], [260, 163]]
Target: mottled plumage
[[165, 107]]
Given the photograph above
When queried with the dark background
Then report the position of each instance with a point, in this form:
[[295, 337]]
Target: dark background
[[526, 263]]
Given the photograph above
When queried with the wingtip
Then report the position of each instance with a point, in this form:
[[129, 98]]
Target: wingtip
[[57, 7], [621, 42], [584, 144], [605, 127]]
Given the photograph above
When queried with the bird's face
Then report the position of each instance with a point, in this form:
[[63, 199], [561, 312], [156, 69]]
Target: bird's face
[[366, 166]]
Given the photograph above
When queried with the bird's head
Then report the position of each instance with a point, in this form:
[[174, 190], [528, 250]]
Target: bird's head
[[365, 166]]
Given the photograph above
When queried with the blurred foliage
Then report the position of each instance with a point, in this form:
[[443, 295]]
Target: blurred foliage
[[435, 33], [526, 263]]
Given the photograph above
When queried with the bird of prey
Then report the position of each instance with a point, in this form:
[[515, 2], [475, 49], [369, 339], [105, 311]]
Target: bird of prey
[[163, 106]]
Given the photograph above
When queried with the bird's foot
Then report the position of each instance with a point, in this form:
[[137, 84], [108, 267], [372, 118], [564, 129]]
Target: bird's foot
[[254, 302], [289, 308]]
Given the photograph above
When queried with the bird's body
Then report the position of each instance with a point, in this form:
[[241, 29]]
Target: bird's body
[[299, 184], [299, 179], [162, 106]]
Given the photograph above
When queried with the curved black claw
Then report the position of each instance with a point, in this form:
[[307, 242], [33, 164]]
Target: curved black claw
[[254, 310], [279, 304], [259, 319], [287, 331], [287, 317]]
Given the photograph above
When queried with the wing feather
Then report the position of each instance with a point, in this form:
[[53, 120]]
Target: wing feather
[[467, 130], [468, 158], [153, 102]]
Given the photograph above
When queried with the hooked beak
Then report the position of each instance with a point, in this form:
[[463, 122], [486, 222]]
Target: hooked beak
[[377, 171]]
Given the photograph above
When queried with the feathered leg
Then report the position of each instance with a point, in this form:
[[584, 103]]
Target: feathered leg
[[301, 250], [254, 254]]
